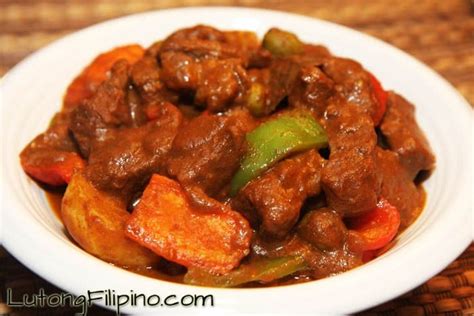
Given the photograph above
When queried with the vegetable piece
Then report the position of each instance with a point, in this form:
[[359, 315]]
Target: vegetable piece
[[96, 221], [282, 43], [381, 95], [57, 171], [169, 223], [261, 270], [256, 99], [87, 82], [275, 139], [377, 227]]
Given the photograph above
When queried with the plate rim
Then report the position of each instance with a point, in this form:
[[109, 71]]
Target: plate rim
[[15, 71]]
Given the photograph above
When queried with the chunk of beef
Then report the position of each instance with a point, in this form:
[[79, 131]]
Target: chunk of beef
[[405, 137], [312, 90], [321, 263], [260, 58], [245, 43], [154, 49], [312, 55], [205, 42], [220, 83], [87, 82], [52, 156], [277, 196], [136, 109], [110, 99], [146, 77], [57, 135], [205, 78], [203, 60], [353, 83], [180, 71], [206, 152], [398, 187], [274, 83], [113, 105], [283, 75], [350, 179], [124, 161], [323, 228], [87, 126]]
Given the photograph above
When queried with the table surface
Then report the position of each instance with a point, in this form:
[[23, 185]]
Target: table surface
[[439, 33]]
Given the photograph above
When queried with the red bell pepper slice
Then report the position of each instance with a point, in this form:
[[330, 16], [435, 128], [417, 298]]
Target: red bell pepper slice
[[377, 227]]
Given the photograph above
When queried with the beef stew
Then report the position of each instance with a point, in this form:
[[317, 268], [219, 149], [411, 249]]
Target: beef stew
[[213, 158]]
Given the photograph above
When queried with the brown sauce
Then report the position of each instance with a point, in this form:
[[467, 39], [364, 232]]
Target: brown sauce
[[54, 198], [147, 114], [413, 215]]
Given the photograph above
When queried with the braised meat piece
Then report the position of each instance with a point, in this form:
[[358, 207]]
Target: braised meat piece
[[312, 91], [110, 99], [321, 263], [323, 228], [124, 161], [207, 150], [52, 156], [145, 75], [109, 107], [350, 179], [223, 82], [87, 82], [87, 126], [152, 93], [203, 60], [203, 41], [398, 187], [312, 55], [276, 197], [271, 85], [353, 83], [405, 137]]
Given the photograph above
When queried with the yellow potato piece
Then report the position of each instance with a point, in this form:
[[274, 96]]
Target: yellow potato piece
[[96, 221]]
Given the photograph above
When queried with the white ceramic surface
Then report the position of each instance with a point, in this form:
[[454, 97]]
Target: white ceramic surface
[[31, 93]]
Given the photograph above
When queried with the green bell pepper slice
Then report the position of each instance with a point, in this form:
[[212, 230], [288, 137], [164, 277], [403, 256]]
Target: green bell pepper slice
[[274, 140], [261, 270], [282, 43]]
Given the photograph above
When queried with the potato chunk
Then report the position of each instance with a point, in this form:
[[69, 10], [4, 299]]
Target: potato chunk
[[96, 221], [167, 221]]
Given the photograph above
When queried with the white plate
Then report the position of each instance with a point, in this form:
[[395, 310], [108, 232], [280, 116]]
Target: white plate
[[32, 93]]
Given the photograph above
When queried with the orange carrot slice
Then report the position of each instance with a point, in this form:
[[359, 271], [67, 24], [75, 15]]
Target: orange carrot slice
[[168, 223]]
